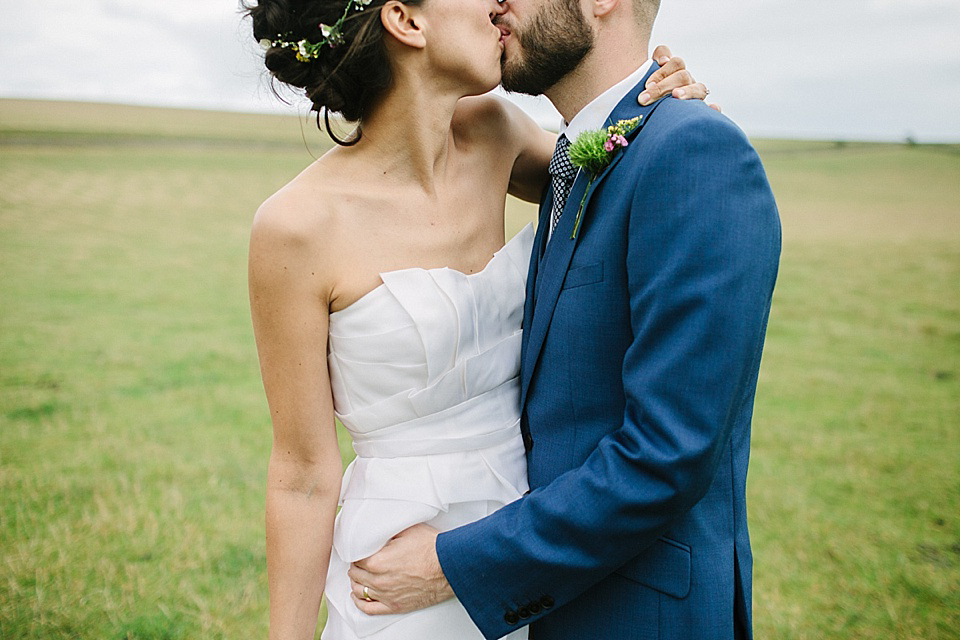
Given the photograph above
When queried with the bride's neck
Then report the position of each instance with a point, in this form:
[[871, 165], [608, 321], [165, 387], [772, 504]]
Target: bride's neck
[[409, 132]]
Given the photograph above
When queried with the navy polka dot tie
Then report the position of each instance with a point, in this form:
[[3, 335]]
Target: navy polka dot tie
[[562, 174]]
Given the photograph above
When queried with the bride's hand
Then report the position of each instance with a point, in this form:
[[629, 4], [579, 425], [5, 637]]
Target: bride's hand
[[672, 78]]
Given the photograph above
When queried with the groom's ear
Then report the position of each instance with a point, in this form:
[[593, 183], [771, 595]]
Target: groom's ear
[[602, 8], [404, 23]]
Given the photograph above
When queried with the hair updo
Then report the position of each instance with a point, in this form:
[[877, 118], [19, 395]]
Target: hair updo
[[347, 79]]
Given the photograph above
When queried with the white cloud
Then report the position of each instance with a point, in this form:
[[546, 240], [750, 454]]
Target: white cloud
[[866, 69], [821, 68]]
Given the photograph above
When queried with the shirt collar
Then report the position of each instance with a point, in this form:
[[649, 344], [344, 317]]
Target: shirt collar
[[594, 115]]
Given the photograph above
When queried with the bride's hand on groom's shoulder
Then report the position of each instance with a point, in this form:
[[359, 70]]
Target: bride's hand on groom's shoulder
[[404, 576], [672, 78]]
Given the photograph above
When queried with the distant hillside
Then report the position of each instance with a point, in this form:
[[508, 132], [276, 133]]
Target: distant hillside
[[82, 120]]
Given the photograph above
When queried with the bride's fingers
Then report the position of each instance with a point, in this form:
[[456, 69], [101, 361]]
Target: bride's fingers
[[661, 53], [673, 75], [672, 78], [670, 67], [695, 91]]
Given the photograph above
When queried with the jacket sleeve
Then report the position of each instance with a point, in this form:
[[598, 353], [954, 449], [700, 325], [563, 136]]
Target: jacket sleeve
[[702, 256]]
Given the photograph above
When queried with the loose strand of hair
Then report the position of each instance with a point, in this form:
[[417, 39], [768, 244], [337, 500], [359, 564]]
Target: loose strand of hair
[[354, 139]]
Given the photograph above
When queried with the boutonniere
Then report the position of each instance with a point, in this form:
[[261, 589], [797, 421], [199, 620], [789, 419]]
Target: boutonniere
[[592, 151]]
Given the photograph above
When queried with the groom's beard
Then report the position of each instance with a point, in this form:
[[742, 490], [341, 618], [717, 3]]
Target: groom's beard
[[551, 46]]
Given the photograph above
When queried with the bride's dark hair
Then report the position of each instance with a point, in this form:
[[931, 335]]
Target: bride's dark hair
[[347, 79]]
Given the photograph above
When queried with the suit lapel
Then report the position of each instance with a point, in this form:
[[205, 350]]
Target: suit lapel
[[536, 255], [546, 279]]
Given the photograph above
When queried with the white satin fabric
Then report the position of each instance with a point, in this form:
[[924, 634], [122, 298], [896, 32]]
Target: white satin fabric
[[425, 377]]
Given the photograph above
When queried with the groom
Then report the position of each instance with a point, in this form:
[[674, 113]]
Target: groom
[[647, 303]]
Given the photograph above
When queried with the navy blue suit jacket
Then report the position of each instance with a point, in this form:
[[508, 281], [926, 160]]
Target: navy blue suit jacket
[[641, 347]]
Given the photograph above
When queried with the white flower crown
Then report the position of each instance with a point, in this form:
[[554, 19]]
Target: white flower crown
[[332, 36]]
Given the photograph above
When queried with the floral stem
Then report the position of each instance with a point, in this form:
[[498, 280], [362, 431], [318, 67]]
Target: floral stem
[[583, 201]]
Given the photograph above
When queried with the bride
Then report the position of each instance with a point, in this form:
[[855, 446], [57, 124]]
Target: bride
[[382, 293]]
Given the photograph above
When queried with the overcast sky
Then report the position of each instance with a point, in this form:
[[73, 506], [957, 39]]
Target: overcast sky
[[836, 69]]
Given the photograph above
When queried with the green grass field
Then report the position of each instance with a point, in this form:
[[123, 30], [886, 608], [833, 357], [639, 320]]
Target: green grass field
[[134, 434]]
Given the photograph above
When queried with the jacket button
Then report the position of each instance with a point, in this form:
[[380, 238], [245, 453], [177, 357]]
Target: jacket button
[[535, 607], [547, 602], [527, 441], [511, 617], [523, 612]]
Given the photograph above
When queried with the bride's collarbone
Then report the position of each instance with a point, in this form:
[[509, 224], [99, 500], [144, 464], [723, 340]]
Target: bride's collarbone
[[398, 189], [392, 246], [437, 218]]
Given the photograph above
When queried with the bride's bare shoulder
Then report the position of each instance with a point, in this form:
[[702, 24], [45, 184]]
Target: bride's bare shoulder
[[305, 204], [485, 117], [299, 225], [494, 120], [482, 107]]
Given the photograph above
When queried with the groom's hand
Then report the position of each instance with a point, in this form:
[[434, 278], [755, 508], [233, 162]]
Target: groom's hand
[[403, 576], [672, 78]]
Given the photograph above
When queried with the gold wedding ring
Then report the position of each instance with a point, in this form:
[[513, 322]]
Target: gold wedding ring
[[366, 595]]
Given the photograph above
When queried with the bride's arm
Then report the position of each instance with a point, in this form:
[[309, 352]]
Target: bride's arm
[[290, 320], [529, 176]]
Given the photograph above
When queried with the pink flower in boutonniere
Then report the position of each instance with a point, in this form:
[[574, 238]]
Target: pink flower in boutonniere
[[594, 150], [615, 141]]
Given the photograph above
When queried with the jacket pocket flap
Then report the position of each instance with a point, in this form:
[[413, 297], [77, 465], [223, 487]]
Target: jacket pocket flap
[[580, 276], [664, 566]]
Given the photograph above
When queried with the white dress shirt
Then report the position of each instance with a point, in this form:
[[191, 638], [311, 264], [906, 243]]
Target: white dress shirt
[[594, 115]]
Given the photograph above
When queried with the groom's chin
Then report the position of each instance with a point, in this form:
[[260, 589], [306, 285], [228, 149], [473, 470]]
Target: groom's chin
[[512, 82]]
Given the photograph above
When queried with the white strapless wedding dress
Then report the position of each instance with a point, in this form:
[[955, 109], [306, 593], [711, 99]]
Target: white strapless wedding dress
[[425, 377]]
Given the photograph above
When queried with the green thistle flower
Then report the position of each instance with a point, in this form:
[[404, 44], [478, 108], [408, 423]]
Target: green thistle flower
[[587, 151], [592, 151]]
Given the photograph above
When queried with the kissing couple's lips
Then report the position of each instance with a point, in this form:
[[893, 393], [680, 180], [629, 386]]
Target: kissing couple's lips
[[504, 30]]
